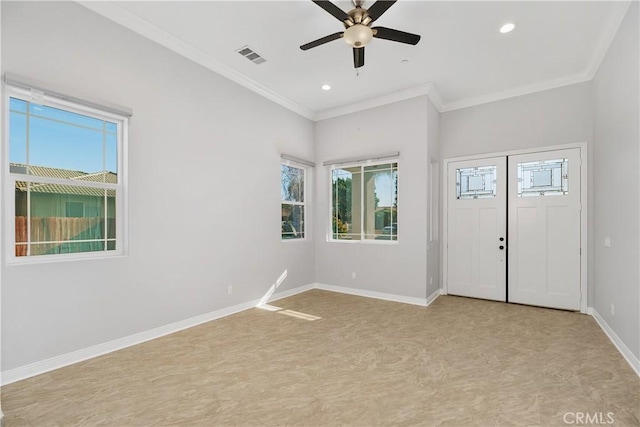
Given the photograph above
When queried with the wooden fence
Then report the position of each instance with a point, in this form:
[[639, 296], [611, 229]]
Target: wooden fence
[[59, 229]]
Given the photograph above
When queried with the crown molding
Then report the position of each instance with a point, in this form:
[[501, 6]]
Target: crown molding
[[434, 96], [427, 89], [117, 14]]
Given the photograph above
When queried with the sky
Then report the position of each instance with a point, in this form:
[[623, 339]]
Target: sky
[[385, 188], [61, 139]]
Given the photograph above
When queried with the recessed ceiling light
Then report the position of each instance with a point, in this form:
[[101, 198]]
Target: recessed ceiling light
[[404, 61], [326, 87], [507, 28]]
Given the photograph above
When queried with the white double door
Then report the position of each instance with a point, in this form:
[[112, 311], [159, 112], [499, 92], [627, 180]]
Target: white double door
[[513, 228]]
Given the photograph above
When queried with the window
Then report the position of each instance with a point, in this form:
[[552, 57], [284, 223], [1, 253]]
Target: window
[[293, 204], [364, 202], [476, 182], [543, 178], [64, 178]]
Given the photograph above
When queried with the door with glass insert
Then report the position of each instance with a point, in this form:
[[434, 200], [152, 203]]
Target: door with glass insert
[[544, 229], [477, 224]]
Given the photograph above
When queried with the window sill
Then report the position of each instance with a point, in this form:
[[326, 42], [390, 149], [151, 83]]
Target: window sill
[[49, 259], [365, 242], [295, 240]]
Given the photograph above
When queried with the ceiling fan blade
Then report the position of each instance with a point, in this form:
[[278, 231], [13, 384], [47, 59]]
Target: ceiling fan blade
[[358, 57], [340, 14], [378, 8], [323, 40], [395, 35]]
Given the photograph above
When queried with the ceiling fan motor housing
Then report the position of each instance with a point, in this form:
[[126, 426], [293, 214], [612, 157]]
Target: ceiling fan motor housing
[[357, 31]]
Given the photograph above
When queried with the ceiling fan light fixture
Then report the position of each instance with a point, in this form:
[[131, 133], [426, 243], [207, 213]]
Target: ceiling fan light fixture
[[358, 35], [507, 28]]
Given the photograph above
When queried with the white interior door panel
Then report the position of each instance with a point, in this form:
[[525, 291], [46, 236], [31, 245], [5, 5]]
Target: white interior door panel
[[476, 222], [544, 229]]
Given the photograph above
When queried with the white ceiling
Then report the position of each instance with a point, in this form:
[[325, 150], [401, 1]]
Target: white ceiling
[[461, 60]]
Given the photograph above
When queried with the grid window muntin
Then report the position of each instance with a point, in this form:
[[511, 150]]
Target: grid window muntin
[[352, 234], [293, 186], [26, 178]]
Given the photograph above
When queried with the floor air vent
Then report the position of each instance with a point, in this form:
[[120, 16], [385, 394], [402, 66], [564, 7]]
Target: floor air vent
[[251, 55]]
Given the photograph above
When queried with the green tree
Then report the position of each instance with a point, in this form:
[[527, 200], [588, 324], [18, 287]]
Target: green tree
[[395, 193], [341, 195]]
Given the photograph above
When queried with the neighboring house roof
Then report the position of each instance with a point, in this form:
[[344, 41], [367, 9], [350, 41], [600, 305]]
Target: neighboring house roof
[[104, 176]]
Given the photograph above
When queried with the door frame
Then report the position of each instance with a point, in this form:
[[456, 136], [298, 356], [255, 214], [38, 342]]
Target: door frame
[[584, 248]]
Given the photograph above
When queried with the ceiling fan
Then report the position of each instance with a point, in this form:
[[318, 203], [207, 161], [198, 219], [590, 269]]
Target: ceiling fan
[[358, 31]]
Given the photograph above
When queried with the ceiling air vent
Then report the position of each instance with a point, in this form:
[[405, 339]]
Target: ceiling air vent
[[251, 55]]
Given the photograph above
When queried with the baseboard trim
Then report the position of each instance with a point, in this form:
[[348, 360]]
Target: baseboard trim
[[291, 292], [47, 365], [372, 294], [431, 298], [631, 359]]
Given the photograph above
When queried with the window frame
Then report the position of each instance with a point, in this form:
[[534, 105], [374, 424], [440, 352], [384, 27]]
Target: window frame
[[10, 178], [362, 165], [304, 204]]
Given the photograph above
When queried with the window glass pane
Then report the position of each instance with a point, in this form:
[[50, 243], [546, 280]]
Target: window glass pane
[[111, 128], [111, 153], [543, 178], [66, 247], [55, 146], [21, 249], [21, 218], [64, 117], [108, 177], [60, 214], [17, 105], [111, 215], [292, 221], [345, 197], [60, 144], [381, 202], [292, 184], [18, 138], [476, 183]]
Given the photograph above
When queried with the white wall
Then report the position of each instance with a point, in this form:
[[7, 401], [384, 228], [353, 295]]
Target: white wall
[[204, 179], [552, 117], [617, 184], [398, 269]]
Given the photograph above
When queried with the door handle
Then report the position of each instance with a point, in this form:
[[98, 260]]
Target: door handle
[[501, 247]]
